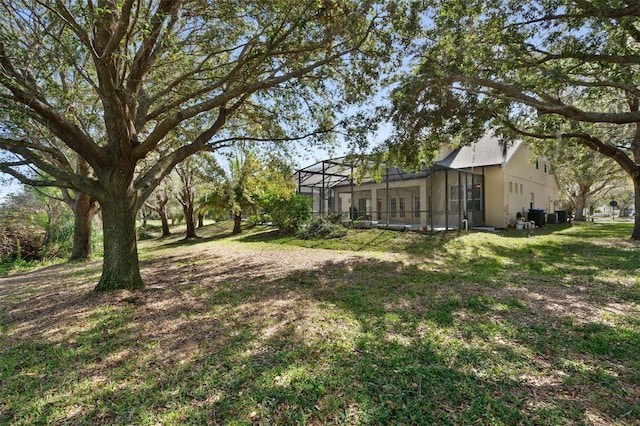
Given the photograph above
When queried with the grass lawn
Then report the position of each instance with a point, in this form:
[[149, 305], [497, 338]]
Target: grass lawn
[[379, 327]]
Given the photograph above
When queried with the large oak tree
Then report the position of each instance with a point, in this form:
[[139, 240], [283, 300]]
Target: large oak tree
[[552, 70], [111, 80]]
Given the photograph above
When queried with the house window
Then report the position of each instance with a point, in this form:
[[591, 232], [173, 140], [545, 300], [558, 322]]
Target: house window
[[416, 206], [379, 207], [510, 186], [545, 167], [521, 191], [537, 165], [516, 188], [402, 207], [394, 207]]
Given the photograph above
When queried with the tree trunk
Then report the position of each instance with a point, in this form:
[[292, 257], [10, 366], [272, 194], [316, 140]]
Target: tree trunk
[[188, 215], [636, 227], [120, 268], [237, 223], [165, 222], [144, 218], [581, 203], [160, 207], [200, 220], [83, 210]]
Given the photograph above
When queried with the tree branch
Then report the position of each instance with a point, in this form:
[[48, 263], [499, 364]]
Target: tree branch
[[66, 131], [30, 181], [68, 18], [142, 60], [121, 29], [591, 142], [542, 107]]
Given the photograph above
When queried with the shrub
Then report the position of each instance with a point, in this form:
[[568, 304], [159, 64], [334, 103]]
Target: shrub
[[287, 212], [321, 228], [142, 233], [257, 219], [59, 232], [20, 243], [335, 218]]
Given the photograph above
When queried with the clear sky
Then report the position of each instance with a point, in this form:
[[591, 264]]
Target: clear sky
[[8, 185]]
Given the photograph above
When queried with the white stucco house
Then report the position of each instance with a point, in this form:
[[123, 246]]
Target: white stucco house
[[481, 185]]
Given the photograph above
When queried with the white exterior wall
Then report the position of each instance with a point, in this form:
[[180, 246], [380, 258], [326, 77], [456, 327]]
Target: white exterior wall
[[496, 204], [526, 186]]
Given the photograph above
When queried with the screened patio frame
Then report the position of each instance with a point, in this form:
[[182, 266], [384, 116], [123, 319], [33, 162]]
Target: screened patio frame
[[321, 180]]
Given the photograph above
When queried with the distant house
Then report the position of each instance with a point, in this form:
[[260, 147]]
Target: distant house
[[481, 185]]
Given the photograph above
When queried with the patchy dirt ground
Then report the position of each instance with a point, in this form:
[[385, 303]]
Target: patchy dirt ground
[[53, 298], [229, 316]]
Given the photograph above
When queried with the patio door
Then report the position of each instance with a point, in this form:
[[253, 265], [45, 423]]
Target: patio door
[[364, 208], [474, 200]]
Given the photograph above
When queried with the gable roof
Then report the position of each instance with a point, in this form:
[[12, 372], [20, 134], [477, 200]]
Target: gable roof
[[488, 151]]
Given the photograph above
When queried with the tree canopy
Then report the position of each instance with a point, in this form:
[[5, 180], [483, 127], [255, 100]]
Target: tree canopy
[[584, 175], [550, 70], [115, 83]]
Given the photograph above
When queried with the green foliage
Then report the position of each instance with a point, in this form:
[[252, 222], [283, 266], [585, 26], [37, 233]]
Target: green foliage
[[36, 227], [59, 231], [135, 88], [321, 228], [240, 190], [245, 181], [257, 183], [97, 241], [287, 212], [585, 176], [257, 219], [624, 195], [23, 229]]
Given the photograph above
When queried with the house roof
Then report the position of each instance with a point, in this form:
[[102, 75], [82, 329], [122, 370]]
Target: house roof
[[338, 171], [488, 151]]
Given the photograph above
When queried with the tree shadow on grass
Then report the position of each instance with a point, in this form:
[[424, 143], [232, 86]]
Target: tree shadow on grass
[[602, 273], [223, 339], [259, 359], [217, 233], [186, 242], [267, 236]]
